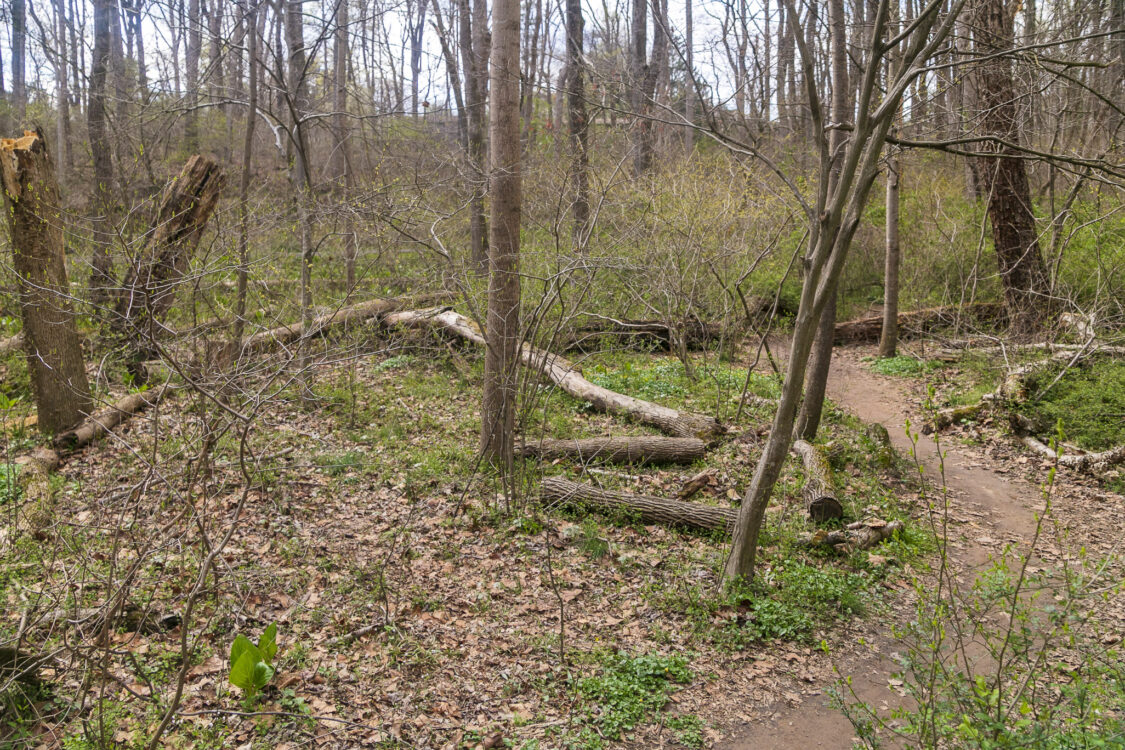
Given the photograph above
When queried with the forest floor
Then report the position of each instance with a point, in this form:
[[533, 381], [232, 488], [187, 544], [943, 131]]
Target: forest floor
[[477, 625], [995, 494]]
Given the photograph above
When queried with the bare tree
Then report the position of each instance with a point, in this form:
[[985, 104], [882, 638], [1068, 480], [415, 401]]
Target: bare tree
[[577, 124], [502, 326], [102, 280]]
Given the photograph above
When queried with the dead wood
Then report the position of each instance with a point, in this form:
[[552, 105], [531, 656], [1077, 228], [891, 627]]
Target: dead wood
[[696, 483], [861, 535], [105, 420], [556, 490], [945, 417], [11, 344], [869, 329], [569, 378], [640, 449], [644, 333], [1094, 463], [820, 499]]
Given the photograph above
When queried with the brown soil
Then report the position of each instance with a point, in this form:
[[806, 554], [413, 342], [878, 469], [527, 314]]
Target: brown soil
[[994, 509]]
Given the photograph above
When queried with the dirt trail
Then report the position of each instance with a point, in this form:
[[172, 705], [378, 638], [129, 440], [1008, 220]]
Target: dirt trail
[[1003, 506]]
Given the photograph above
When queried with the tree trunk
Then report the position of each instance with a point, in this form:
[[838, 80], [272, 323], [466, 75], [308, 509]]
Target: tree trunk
[[888, 337], [556, 490], [503, 324], [150, 287], [191, 74], [342, 172], [629, 450], [54, 352], [62, 94], [820, 499], [252, 31], [474, 59], [1023, 274], [101, 280], [690, 92], [569, 379], [19, 56], [576, 121], [638, 75]]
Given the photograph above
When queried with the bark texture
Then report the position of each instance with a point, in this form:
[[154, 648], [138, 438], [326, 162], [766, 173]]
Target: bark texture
[[105, 420], [820, 498], [185, 207], [50, 335], [632, 450], [556, 490], [569, 378]]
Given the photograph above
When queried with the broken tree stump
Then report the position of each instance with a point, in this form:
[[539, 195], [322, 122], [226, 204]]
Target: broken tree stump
[[649, 509], [569, 378], [150, 286], [50, 334], [820, 499], [640, 449]]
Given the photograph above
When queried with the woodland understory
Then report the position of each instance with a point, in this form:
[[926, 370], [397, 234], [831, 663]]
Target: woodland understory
[[456, 374]]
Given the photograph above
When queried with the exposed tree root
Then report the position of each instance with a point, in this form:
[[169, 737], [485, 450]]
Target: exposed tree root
[[641, 449], [569, 378]]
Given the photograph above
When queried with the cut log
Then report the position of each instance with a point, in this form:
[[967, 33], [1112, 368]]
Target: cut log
[[569, 378], [869, 329], [820, 499], [105, 420], [359, 313], [556, 490], [945, 417], [11, 344], [54, 351], [642, 449], [861, 535], [154, 275], [643, 333]]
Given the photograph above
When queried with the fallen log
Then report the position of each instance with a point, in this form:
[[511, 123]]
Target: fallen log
[[644, 333], [556, 490], [569, 378], [106, 419], [358, 313], [945, 417], [1094, 463], [698, 482], [861, 535], [820, 500], [869, 329], [642, 449], [11, 344]]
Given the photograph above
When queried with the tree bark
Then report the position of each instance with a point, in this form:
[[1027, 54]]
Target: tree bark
[[50, 334], [888, 337], [105, 420], [577, 124], [630, 450], [252, 30], [102, 281], [191, 73], [820, 499], [474, 57], [150, 287], [503, 324], [1023, 274], [556, 490], [569, 379], [19, 56]]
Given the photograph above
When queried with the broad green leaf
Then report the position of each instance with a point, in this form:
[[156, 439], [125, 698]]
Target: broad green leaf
[[240, 646], [242, 672], [262, 674], [267, 644]]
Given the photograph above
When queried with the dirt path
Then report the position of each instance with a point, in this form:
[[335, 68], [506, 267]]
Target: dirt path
[[1002, 508]]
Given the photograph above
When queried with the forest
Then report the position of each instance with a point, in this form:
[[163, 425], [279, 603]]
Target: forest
[[468, 374]]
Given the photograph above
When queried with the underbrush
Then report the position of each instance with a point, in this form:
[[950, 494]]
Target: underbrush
[[1088, 401]]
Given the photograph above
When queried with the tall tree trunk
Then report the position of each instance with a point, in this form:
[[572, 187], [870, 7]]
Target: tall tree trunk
[[888, 337], [342, 173], [821, 362], [54, 352], [690, 92], [502, 333], [191, 74], [576, 120], [638, 74], [101, 281], [62, 95], [253, 31], [216, 83], [417, 30], [474, 59], [1023, 274], [19, 56]]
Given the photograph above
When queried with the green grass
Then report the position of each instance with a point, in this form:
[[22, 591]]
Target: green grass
[[903, 366], [1089, 401]]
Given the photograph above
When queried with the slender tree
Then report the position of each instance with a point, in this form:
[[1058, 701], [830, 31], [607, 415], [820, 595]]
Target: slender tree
[[102, 281], [577, 124], [502, 325]]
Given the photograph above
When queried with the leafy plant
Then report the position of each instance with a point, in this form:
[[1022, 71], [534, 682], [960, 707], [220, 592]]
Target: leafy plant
[[251, 666], [902, 366]]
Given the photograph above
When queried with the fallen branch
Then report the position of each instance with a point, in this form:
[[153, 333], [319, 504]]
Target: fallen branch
[[861, 535], [556, 490], [869, 329], [569, 378], [105, 420], [643, 449], [1094, 463], [820, 500]]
